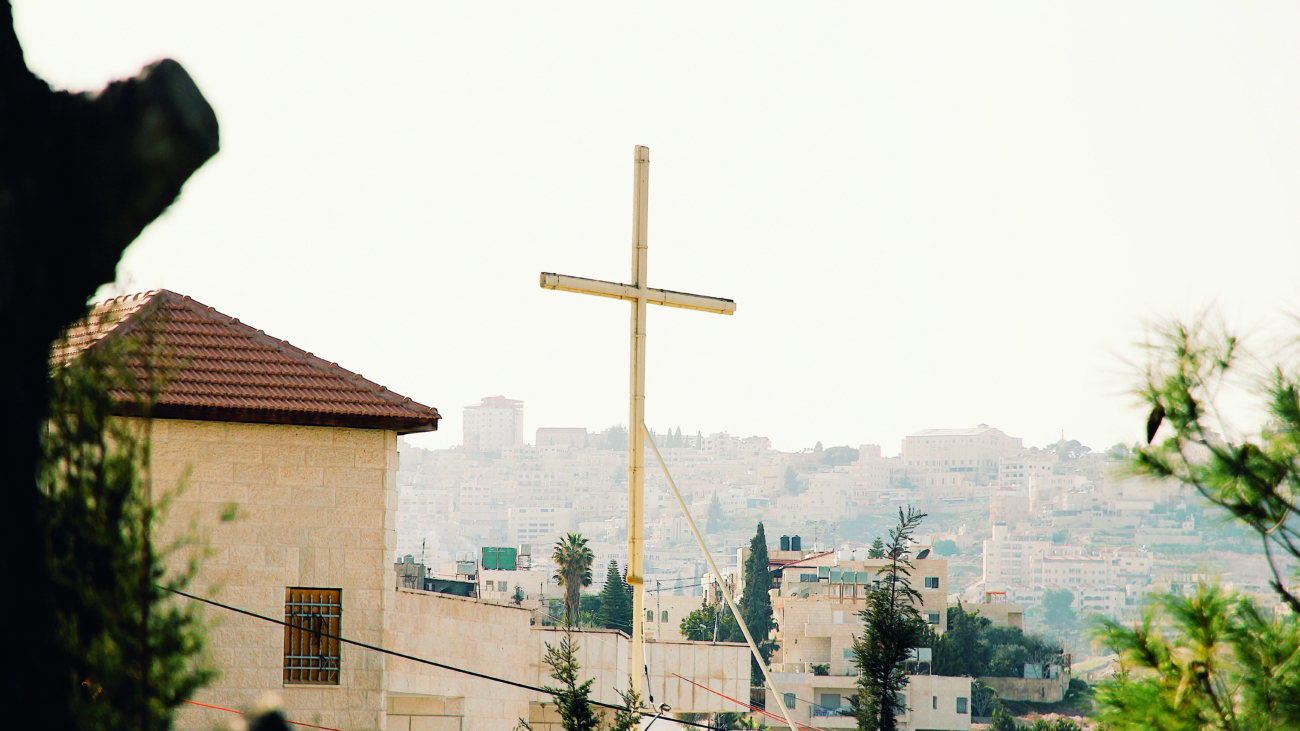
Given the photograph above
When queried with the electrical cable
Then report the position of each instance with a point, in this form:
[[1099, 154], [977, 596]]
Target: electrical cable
[[404, 656], [755, 709]]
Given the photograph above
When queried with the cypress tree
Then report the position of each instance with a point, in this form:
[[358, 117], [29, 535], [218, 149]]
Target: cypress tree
[[756, 604], [877, 549], [615, 601]]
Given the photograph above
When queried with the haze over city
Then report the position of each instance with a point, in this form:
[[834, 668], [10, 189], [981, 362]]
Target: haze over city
[[927, 216]]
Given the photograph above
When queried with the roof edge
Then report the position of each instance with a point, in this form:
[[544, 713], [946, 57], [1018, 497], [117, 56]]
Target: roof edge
[[401, 425]]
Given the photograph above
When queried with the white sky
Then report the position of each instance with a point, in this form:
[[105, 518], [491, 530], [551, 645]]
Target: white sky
[[929, 216]]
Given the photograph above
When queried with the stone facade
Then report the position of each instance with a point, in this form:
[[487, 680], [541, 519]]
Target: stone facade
[[315, 508]]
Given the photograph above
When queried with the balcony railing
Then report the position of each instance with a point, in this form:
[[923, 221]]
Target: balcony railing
[[823, 711]]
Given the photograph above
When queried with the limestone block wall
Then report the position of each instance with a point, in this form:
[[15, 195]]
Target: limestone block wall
[[601, 653], [315, 509], [492, 639], [722, 667], [1044, 690]]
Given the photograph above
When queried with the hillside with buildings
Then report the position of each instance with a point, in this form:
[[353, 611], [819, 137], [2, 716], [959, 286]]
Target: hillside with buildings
[[1014, 523]]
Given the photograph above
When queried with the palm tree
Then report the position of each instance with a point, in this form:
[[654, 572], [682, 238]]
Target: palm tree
[[573, 570]]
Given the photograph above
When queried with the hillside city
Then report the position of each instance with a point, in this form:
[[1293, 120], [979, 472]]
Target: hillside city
[[1015, 523]]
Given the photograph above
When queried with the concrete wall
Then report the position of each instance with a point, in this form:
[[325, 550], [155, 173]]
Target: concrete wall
[[488, 638], [722, 667], [602, 654], [1046, 690]]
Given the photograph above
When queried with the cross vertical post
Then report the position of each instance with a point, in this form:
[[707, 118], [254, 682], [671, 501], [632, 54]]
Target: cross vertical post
[[639, 294], [636, 417]]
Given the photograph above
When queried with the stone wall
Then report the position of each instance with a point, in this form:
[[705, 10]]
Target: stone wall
[[1046, 690], [315, 508], [492, 639]]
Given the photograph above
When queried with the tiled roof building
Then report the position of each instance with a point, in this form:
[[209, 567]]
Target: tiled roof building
[[225, 370]]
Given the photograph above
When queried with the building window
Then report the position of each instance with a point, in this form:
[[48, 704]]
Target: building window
[[311, 647], [932, 582], [933, 618], [961, 705], [934, 702], [649, 615], [789, 701]]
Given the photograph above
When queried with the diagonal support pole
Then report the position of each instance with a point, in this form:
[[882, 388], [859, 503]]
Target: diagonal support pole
[[722, 586]]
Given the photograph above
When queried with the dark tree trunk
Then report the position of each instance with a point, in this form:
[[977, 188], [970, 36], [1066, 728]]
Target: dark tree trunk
[[81, 175]]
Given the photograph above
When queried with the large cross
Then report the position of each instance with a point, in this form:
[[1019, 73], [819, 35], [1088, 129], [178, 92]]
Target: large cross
[[640, 295]]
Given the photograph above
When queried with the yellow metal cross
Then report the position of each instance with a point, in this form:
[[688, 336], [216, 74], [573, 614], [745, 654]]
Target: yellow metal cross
[[640, 295]]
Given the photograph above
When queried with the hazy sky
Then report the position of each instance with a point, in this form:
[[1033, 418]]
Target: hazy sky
[[929, 216]]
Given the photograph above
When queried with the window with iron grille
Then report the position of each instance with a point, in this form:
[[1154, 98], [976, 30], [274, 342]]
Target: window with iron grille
[[311, 655]]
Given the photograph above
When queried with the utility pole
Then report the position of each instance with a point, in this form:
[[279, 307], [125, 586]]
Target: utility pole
[[659, 617]]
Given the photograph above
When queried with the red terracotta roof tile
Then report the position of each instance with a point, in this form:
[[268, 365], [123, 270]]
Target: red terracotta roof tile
[[228, 371]]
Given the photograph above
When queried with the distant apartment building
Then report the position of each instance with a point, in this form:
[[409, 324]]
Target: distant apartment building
[[494, 423], [816, 604], [1006, 506], [1009, 559], [539, 526], [1028, 562], [871, 475], [724, 446], [562, 436], [977, 451], [1018, 471]]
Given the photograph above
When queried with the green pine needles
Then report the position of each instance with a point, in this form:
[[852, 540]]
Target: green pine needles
[[756, 605], [892, 626], [572, 697], [131, 654], [1213, 660], [615, 601]]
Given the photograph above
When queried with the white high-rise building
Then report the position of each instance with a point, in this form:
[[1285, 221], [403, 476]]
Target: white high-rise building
[[494, 423]]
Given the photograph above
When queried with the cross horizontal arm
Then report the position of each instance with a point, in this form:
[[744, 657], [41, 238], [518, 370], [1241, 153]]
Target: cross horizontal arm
[[615, 290]]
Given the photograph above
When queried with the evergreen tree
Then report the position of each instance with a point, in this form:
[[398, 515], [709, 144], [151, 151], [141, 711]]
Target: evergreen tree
[[892, 626], [715, 514], [877, 549], [710, 622], [1003, 721], [791, 481], [572, 699], [962, 649], [756, 605], [1057, 612], [615, 601], [130, 653], [1213, 660]]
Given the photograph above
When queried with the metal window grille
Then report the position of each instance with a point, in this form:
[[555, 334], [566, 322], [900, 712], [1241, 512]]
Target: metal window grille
[[310, 657]]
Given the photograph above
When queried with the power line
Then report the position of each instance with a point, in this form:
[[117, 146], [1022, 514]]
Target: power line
[[412, 658]]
